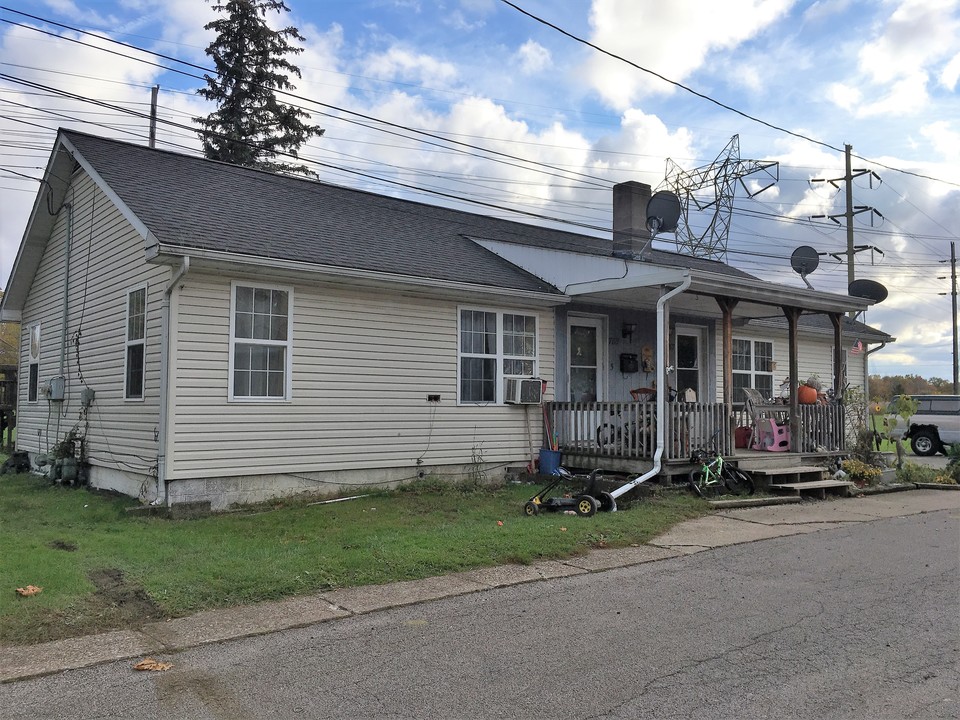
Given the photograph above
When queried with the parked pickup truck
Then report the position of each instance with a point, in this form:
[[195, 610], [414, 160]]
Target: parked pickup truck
[[934, 426]]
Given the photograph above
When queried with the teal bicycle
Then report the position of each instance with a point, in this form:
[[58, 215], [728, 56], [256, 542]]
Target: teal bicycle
[[715, 477]]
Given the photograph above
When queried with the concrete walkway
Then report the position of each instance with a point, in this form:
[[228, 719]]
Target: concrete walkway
[[726, 527]]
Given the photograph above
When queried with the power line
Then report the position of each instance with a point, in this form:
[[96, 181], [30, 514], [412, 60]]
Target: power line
[[709, 99]]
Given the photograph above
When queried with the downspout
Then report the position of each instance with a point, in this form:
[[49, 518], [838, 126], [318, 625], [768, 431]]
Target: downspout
[[663, 390], [162, 494]]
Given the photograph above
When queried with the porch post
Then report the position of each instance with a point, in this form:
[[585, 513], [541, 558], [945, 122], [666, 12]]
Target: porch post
[[793, 315], [727, 305], [839, 374]]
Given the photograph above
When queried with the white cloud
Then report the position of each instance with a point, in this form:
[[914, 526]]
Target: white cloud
[[638, 150], [844, 96], [951, 73], [918, 34], [672, 39], [945, 140], [532, 57], [399, 63], [920, 39]]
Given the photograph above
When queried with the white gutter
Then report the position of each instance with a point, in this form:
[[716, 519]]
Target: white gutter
[[663, 390], [66, 293], [164, 386]]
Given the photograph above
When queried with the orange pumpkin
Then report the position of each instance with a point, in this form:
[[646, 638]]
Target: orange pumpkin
[[807, 395]]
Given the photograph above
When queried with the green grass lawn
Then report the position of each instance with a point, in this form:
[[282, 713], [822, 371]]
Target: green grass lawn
[[101, 567]]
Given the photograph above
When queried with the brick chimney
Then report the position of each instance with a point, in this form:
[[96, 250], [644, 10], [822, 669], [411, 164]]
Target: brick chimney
[[630, 234]]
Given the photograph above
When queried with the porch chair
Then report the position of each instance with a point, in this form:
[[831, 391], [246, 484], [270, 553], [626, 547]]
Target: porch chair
[[766, 434], [773, 437]]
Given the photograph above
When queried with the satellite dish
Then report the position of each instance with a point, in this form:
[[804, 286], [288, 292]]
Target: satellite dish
[[804, 260], [663, 212], [869, 289]]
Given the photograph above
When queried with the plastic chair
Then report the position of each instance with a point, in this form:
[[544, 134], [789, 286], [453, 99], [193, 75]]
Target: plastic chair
[[772, 437]]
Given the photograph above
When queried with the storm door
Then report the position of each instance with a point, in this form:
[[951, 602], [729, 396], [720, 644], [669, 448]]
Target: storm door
[[586, 358], [689, 361]]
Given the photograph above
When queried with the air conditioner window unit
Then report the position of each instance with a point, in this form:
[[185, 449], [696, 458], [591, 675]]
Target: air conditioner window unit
[[522, 391]]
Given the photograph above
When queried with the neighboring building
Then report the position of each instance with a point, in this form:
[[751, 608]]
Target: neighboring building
[[233, 335]]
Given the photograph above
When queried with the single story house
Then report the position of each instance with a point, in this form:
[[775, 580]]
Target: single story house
[[197, 331]]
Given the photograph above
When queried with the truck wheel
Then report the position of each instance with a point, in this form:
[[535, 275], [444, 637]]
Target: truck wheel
[[924, 442]]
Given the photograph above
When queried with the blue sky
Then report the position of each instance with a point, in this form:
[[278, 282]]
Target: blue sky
[[882, 76]]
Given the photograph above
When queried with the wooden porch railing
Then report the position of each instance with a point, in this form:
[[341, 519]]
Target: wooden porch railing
[[628, 429]]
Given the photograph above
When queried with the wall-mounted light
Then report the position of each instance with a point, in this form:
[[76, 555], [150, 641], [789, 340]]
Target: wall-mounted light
[[628, 330]]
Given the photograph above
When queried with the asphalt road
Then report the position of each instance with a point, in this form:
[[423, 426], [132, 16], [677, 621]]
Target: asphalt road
[[859, 621]]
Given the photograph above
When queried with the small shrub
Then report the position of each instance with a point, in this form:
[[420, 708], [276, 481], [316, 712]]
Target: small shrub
[[914, 473], [861, 472], [952, 472]]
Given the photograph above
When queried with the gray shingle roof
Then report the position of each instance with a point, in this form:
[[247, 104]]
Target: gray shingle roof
[[196, 203]]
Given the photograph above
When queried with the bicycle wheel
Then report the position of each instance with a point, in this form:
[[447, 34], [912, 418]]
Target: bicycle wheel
[[737, 481], [695, 480]]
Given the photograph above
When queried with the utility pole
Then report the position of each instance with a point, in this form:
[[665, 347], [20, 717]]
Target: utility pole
[[953, 293], [850, 211], [848, 215], [153, 115]]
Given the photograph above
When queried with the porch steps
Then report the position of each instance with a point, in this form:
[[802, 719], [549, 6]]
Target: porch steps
[[787, 473], [819, 487]]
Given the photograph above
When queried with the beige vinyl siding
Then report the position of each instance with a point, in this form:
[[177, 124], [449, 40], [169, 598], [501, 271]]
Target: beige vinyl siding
[[364, 362], [106, 261], [814, 356]]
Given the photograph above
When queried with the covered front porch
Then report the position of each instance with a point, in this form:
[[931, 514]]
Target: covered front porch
[[601, 432]]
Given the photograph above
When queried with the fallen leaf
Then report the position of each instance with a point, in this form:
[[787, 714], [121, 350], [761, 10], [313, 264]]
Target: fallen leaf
[[29, 590], [500, 523], [563, 529], [151, 664]]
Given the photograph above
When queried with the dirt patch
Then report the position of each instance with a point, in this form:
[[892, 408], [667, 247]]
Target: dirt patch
[[62, 545], [116, 603], [121, 599]]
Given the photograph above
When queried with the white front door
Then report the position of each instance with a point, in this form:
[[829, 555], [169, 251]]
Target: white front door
[[587, 358]]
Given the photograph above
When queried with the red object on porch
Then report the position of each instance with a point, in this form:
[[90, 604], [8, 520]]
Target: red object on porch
[[741, 436]]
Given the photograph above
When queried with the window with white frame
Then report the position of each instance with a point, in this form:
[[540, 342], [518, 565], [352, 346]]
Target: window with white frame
[[493, 345], [261, 343], [136, 344], [752, 367], [33, 375]]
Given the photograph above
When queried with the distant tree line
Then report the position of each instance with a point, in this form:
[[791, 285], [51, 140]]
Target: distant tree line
[[884, 387]]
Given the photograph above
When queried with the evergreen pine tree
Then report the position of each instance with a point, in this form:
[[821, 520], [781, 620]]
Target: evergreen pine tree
[[250, 126]]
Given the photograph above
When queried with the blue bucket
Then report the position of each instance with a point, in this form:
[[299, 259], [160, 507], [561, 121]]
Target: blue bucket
[[549, 461]]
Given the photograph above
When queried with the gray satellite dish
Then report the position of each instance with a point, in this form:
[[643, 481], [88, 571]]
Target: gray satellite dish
[[869, 289], [804, 261], [663, 212]]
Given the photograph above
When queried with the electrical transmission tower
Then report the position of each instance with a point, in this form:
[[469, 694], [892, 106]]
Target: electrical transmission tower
[[712, 188]]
